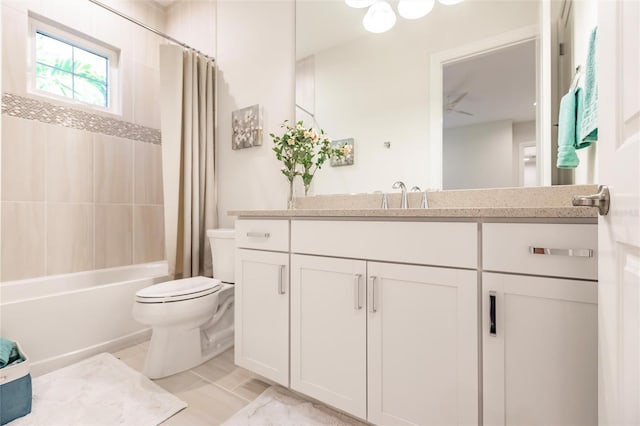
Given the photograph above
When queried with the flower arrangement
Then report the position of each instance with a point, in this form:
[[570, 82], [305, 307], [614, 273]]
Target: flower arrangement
[[303, 151]]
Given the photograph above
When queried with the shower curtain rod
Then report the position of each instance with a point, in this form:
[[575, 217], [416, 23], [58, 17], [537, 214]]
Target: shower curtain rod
[[146, 27]]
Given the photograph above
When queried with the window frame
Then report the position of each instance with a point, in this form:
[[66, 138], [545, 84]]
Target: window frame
[[81, 41]]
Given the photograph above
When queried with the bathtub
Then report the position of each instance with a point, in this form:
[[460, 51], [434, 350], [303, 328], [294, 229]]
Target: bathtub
[[61, 319]]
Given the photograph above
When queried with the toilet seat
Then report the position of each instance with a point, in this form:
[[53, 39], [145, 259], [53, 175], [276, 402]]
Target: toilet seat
[[178, 290]]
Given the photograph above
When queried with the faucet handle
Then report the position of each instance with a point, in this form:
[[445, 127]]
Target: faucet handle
[[399, 185], [416, 189]]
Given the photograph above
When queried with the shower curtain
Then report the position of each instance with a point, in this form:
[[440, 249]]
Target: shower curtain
[[187, 112]]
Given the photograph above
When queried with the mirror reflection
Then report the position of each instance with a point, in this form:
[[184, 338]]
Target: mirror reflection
[[377, 89], [489, 119]]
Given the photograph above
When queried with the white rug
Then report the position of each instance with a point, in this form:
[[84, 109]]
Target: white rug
[[101, 390], [277, 406]]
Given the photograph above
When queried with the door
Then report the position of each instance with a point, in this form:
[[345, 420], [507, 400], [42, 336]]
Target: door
[[262, 313], [422, 345], [329, 331], [539, 350], [619, 231]]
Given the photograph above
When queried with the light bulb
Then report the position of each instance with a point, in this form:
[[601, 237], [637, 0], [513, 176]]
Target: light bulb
[[414, 9], [379, 18], [359, 4], [450, 2]]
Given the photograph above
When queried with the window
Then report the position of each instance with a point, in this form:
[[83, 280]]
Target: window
[[72, 66]]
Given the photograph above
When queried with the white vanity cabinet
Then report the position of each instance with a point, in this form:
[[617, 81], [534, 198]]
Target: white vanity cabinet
[[422, 345], [262, 298], [329, 331], [387, 342], [539, 333]]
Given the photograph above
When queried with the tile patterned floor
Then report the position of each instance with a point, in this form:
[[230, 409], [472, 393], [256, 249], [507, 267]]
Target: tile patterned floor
[[214, 390]]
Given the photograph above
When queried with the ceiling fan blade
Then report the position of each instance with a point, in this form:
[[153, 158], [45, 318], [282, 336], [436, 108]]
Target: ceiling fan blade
[[461, 96]]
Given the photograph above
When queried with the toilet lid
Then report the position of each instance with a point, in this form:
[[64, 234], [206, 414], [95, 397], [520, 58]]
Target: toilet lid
[[173, 291]]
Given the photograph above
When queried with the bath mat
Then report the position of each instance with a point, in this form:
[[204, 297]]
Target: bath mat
[[100, 390], [277, 406]]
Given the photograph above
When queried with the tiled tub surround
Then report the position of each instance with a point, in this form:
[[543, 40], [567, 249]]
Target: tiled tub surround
[[47, 112], [81, 188], [74, 200]]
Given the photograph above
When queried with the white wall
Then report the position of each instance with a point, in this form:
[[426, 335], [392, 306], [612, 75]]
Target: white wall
[[256, 62], [194, 23], [478, 156]]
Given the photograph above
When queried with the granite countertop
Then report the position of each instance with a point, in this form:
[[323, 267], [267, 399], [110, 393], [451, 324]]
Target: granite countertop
[[531, 202], [488, 212]]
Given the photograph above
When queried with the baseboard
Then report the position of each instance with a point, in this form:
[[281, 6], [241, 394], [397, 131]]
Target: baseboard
[[46, 365]]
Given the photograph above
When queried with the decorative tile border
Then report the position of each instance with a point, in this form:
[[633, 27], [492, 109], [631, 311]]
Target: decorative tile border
[[34, 109]]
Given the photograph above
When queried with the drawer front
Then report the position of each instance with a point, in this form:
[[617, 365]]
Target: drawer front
[[560, 250], [426, 243], [263, 234]]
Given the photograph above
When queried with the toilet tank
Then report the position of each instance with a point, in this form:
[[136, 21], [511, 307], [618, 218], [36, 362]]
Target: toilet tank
[[223, 245]]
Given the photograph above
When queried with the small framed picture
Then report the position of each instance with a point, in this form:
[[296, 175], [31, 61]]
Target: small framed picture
[[247, 127], [346, 146]]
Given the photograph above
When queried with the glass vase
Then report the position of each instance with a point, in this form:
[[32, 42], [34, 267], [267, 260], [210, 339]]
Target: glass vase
[[306, 189], [291, 201]]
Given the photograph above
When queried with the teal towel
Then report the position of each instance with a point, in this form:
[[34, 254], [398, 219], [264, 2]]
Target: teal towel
[[8, 351], [588, 100], [567, 158]]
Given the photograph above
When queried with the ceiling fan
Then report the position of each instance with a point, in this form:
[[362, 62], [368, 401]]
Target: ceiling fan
[[450, 106]]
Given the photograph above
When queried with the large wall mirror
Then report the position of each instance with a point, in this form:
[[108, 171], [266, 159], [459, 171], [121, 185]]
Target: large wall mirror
[[451, 100]]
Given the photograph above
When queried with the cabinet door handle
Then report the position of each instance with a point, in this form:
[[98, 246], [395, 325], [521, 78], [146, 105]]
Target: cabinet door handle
[[264, 235], [561, 252], [357, 280], [281, 286], [374, 299], [492, 313]]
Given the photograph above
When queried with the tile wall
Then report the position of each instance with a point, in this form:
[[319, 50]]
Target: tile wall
[[74, 200], [81, 190]]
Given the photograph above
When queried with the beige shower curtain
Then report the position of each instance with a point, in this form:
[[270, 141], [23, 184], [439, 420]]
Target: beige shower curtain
[[187, 108]]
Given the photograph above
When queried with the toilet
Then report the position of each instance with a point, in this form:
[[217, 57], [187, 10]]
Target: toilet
[[191, 318]]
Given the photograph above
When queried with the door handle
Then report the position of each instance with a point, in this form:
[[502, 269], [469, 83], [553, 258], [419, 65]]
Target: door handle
[[281, 286], [492, 313], [601, 200], [374, 299], [357, 280]]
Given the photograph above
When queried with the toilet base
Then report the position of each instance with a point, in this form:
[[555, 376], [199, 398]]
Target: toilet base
[[180, 353], [174, 349]]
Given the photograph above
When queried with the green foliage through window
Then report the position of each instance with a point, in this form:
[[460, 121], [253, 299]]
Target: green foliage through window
[[64, 69]]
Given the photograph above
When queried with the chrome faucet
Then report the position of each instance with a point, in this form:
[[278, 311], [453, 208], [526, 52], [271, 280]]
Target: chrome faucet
[[385, 201], [400, 185], [423, 201]]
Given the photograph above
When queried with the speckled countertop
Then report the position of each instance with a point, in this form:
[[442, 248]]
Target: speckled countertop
[[492, 212], [536, 202]]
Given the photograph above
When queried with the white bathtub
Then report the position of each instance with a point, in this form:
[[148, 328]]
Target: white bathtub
[[61, 319]]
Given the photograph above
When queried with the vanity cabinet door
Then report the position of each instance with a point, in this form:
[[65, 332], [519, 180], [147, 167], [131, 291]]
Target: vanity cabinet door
[[262, 313], [329, 331], [422, 345], [540, 358]]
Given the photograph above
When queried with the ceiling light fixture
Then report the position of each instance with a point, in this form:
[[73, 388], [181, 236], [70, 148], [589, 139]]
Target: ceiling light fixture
[[414, 9], [359, 4], [450, 2], [379, 18]]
